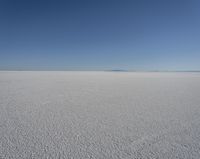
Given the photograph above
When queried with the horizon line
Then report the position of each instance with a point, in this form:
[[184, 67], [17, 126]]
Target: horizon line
[[106, 70]]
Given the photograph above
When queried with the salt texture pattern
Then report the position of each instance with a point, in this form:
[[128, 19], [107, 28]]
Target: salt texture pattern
[[103, 115]]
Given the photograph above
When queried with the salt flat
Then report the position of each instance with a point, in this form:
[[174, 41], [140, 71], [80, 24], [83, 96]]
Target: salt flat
[[101, 115]]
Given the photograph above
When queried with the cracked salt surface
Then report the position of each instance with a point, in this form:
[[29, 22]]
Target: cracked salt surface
[[100, 115]]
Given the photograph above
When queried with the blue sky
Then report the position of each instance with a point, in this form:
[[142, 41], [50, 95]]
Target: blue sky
[[99, 34]]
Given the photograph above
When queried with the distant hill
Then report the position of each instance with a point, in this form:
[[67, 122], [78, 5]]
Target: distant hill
[[118, 70]]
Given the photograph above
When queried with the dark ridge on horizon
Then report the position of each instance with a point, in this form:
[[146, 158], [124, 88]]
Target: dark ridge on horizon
[[117, 70]]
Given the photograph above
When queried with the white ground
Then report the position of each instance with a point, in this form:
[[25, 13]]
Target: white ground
[[101, 115]]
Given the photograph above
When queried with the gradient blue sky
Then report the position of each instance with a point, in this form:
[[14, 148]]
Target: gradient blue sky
[[100, 34]]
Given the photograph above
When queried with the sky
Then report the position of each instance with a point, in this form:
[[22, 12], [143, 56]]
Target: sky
[[100, 34]]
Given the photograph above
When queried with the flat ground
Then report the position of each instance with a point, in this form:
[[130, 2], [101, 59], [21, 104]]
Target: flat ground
[[101, 115]]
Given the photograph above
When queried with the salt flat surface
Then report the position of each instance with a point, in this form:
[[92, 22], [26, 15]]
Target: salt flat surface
[[101, 115]]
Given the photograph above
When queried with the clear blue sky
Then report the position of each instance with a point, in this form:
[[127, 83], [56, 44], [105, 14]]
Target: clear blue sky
[[100, 34]]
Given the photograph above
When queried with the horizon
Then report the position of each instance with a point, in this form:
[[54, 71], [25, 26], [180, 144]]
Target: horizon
[[112, 70]]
